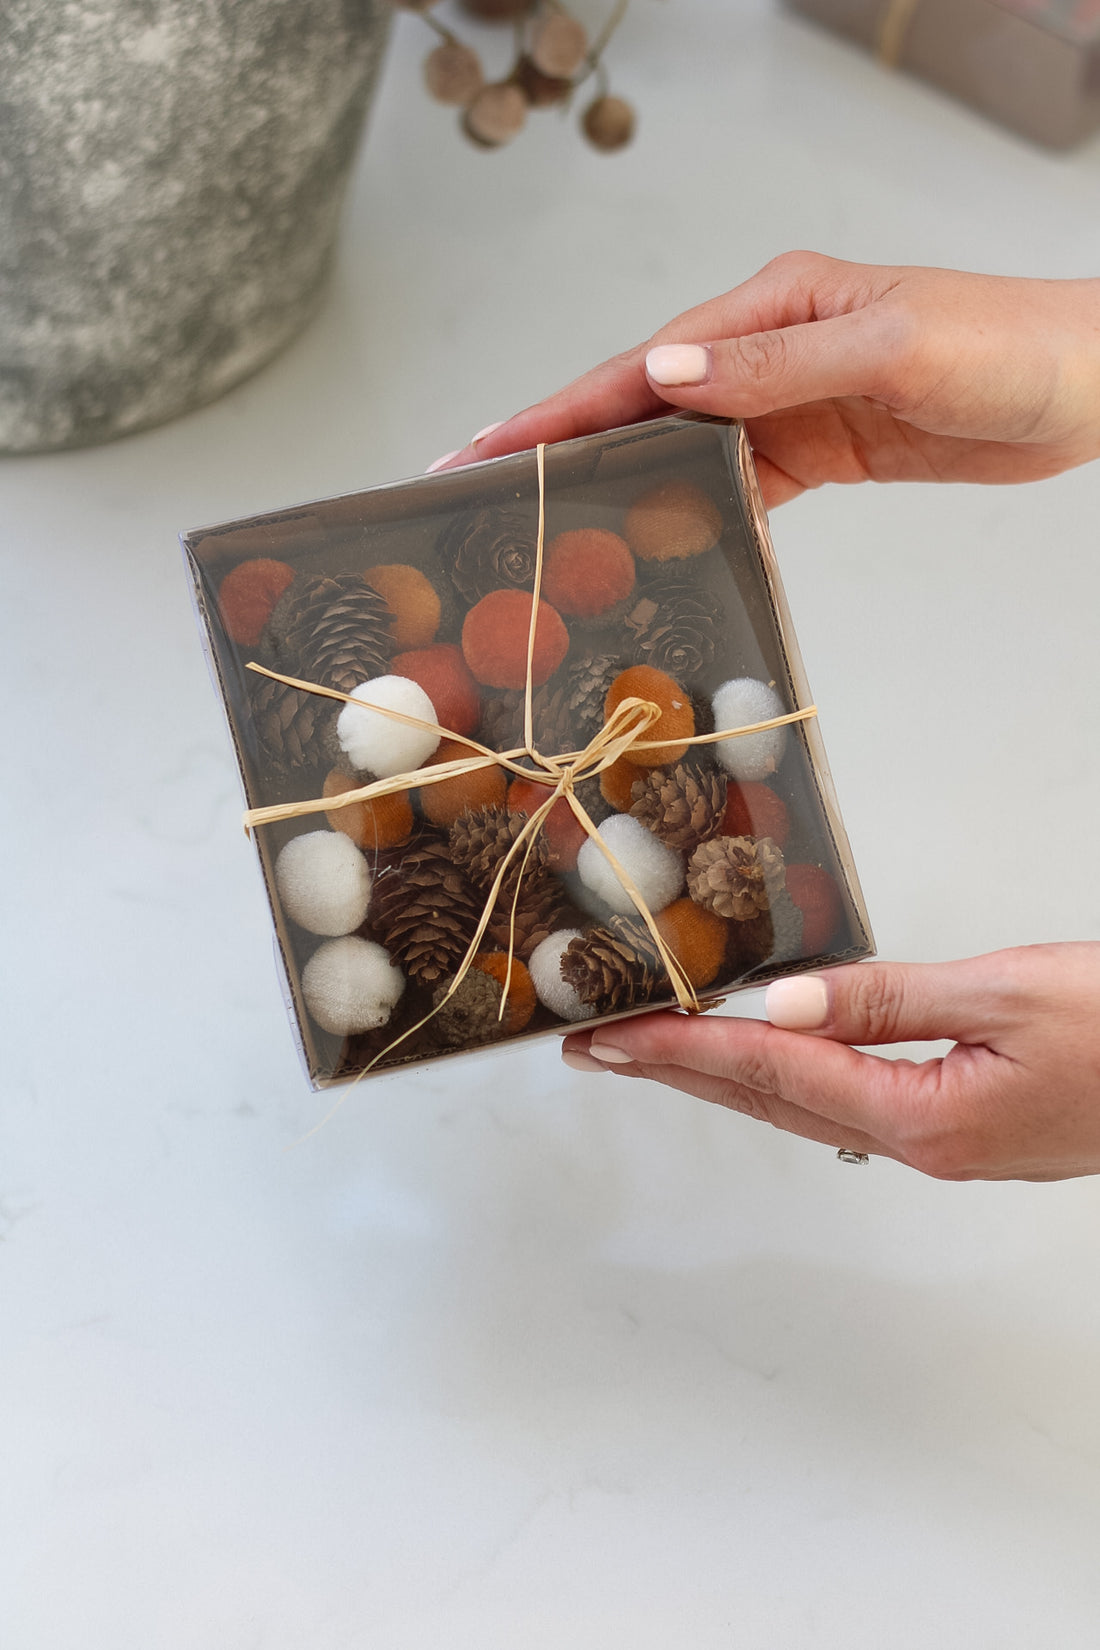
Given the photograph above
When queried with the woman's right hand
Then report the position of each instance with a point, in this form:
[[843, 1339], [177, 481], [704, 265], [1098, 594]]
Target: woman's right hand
[[859, 372]]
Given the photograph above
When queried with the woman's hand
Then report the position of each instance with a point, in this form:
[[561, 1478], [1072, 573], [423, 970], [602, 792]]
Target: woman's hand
[[855, 372], [1017, 1098]]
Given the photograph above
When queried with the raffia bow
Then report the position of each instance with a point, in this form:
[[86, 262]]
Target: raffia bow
[[623, 731]]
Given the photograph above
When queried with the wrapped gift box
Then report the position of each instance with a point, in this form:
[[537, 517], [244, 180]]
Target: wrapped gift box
[[1033, 65], [658, 586]]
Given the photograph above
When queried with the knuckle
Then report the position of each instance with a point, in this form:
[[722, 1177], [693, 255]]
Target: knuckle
[[759, 356], [876, 1005]]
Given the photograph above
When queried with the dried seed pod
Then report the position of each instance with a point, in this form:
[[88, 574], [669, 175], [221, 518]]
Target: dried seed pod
[[496, 115], [452, 73], [559, 44], [540, 90], [608, 123]]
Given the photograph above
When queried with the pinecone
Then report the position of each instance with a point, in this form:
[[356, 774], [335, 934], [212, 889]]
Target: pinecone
[[587, 683], [683, 806], [676, 624], [593, 801], [750, 945], [332, 630], [293, 729], [501, 724], [736, 876], [479, 842], [489, 550], [425, 911], [470, 1015], [615, 967]]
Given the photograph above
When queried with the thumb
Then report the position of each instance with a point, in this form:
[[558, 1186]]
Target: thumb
[[874, 1003], [762, 372]]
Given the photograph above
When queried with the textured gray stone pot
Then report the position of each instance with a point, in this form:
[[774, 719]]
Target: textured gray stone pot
[[171, 178]]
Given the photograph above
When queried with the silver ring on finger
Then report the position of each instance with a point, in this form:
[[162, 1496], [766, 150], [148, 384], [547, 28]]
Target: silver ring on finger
[[846, 1155]]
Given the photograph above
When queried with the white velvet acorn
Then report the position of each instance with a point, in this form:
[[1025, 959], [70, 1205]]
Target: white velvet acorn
[[380, 743], [657, 871], [738, 704], [544, 967], [351, 985], [323, 882]]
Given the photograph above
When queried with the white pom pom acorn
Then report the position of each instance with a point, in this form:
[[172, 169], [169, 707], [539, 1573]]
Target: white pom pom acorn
[[323, 882], [381, 743], [738, 704], [544, 967], [657, 871], [351, 985]]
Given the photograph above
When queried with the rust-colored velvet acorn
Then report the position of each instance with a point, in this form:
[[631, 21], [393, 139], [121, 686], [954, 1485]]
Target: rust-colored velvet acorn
[[562, 831], [247, 597], [818, 898], [671, 521], [587, 571], [676, 721], [411, 598], [494, 640], [441, 671], [521, 1002], [753, 809]]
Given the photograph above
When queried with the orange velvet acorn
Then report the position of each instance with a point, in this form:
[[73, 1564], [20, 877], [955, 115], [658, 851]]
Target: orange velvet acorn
[[411, 598], [441, 671], [676, 721], [482, 788], [248, 595], [494, 639], [381, 823], [672, 521], [521, 1000], [587, 571], [696, 937]]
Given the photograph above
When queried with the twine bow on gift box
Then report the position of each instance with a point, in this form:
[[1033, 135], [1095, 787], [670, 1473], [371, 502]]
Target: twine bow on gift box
[[623, 731]]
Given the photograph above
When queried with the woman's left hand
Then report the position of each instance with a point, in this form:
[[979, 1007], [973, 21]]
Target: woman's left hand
[[1016, 1098]]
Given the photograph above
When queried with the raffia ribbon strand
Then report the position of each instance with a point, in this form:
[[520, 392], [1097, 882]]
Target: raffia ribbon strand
[[623, 731]]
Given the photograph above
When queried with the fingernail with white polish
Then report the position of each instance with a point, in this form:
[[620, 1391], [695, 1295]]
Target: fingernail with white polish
[[797, 1005], [580, 1062], [488, 430], [439, 463], [611, 1055], [679, 364]]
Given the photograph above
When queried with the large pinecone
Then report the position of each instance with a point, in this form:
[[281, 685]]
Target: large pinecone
[[614, 968], [490, 550], [566, 714], [587, 683], [334, 630], [736, 876], [479, 842], [425, 911], [683, 806], [676, 624], [293, 729]]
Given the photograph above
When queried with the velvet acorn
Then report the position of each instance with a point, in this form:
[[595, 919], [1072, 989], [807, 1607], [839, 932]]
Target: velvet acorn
[[374, 825], [697, 939], [816, 895], [739, 704], [753, 809], [676, 721], [351, 985], [657, 871], [248, 596], [441, 671], [494, 640], [481, 788], [672, 521], [381, 744], [323, 882], [411, 598], [586, 572]]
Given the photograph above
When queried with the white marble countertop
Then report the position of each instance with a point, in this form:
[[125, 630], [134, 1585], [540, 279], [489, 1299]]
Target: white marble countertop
[[503, 1355]]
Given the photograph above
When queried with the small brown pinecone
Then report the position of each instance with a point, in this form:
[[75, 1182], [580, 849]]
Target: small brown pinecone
[[736, 876], [750, 944], [479, 842], [593, 801], [333, 630], [683, 806], [501, 722], [489, 550], [613, 967], [425, 910], [587, 682], [471, 1014], [293, 729], [676, 625]]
